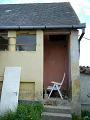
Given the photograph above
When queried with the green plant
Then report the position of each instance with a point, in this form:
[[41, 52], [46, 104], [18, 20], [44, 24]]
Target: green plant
[[75, 117], [25, 112], [8, 116], [85, 115]]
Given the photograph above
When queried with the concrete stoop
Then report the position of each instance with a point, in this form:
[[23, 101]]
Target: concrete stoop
[[56, 113], [57, 109], [56, 102]]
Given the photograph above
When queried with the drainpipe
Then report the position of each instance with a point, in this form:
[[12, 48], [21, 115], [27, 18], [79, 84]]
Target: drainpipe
[[81, 36]]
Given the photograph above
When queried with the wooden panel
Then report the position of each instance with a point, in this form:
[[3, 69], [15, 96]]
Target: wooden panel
[[27, 91]]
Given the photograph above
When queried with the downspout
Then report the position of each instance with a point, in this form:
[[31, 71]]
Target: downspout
[[81, 36]]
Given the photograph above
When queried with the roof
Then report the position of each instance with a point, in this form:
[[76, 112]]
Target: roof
[[38, 15], [85, 70]]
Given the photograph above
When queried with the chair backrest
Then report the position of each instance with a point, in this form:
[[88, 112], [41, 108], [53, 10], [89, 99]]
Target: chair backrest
[[63, 78]]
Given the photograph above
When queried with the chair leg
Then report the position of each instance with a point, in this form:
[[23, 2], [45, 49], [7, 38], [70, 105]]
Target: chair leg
[[51, 91], [59, 92]]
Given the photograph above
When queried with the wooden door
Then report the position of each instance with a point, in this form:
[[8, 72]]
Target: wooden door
[[55, 60]]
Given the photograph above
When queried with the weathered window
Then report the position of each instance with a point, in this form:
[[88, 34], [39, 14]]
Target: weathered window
[[26, 42], [3, 41]]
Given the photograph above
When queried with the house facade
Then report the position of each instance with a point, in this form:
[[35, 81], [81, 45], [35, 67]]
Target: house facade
[[42, 39]]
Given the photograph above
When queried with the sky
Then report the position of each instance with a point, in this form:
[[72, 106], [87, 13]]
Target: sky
[[82, 9]]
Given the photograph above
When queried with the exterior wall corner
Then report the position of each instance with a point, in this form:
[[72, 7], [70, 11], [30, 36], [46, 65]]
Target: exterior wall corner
[[75, 74]]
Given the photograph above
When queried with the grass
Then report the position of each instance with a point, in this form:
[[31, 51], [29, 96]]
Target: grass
[[85, 115], [25, 112]]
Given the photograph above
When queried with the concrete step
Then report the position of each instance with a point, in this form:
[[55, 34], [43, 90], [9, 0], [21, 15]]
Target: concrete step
[[57, 109], [56, 116], [56, 102]]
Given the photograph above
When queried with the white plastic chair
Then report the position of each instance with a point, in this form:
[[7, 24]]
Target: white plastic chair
[[56, 86]]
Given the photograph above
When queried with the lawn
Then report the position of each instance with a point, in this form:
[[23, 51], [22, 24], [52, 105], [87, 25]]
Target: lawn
[[25, 112]]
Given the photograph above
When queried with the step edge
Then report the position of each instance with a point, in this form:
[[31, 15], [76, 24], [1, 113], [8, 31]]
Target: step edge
[[57, 114], [57, 107]]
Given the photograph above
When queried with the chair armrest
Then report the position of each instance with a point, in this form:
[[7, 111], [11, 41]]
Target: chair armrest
[[49, 87], [56, 83]]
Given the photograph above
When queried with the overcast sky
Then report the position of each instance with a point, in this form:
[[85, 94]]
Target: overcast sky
[[82, 8]]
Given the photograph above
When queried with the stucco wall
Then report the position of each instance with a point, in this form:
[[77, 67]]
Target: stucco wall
[[85, 91], [31, 63]]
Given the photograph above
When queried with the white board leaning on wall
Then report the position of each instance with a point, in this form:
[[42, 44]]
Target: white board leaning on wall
[[10, 89]]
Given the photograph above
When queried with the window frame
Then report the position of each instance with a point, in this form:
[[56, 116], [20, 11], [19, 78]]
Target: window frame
[[26, 34]]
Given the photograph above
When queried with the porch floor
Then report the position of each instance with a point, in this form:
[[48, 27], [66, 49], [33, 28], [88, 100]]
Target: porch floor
[[57, 102]]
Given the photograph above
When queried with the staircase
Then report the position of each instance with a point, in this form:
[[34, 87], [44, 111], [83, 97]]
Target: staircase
[[57, 112]]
